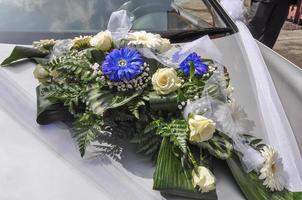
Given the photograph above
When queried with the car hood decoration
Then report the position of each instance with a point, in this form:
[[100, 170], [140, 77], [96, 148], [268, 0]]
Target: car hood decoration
[[175, 104]]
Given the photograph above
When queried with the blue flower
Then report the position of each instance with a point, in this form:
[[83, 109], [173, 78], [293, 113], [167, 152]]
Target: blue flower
[[123, 63], [200, 67]]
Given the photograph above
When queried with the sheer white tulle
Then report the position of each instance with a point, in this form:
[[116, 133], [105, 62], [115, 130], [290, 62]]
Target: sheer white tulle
[[119, 25], [212, 108], [278, 132], [235, 9]]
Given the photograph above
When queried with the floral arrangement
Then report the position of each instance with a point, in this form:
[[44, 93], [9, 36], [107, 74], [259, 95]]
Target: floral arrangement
[[179, 116]]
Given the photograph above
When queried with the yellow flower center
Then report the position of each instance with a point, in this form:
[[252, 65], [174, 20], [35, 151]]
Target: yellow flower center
[[163, 80], [142, 38], [274, 168]]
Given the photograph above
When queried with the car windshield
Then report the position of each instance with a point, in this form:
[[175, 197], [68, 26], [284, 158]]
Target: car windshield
[[90, 16]]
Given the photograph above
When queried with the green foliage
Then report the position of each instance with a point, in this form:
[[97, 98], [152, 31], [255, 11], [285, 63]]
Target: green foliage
[[95, 55], [106, 149], [70, 95], [90, 128], [20, 52], [135, 106], [171, 177], [150, 138], [220, 146], [86, 130], [120, 123], [254, 142], [166, 103], [190, 90], [192, 70], [100, 100], [177, 132], [148, 141], [74, 66], [253, 188]]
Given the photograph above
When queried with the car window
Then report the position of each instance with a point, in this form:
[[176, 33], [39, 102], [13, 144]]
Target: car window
[[93, 15]]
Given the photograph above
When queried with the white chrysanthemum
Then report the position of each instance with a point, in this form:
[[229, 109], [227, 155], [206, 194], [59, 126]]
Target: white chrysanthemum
[[272, 170], [81, 38], [44, 44], [233, 118], [149, 40], [165, 45], [81, 42]]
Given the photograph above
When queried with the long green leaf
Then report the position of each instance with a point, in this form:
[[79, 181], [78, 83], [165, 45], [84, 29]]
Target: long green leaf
[[170, 177], [252, 186], [20, 52]]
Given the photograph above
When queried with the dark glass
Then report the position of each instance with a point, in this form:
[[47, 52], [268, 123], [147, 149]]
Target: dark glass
[[27, 20]]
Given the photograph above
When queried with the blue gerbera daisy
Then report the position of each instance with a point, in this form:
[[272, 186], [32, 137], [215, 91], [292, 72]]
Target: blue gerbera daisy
[[122, 64], [200, 67]]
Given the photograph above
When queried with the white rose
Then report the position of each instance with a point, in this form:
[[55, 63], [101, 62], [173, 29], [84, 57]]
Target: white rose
[[41, 73], [204, 179], [102, 41], [201, 128], [165, 81], [165, 45]]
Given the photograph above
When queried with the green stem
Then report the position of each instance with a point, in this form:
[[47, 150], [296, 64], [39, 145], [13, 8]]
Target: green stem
[[192, 158], [192, 70]]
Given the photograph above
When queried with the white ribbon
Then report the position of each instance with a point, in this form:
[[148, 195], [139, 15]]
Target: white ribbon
[[119, 25], [278, 132]]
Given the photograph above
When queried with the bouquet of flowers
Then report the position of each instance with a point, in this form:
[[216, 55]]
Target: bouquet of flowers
[[176, 106]]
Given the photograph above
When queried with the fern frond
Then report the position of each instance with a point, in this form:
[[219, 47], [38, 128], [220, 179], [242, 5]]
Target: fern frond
[[84, 137], [74, 65], [86, 129], [177, 131], [106, 149], [220, 146]]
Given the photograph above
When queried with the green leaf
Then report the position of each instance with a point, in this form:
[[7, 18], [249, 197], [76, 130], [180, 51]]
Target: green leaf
[[167, 102], [219, 146], [100, 100], [152, 126], [147, 139], [177, 132], [135, 108], [95, 55], [20, 52], [192, 70], [170, 177], [84, 139], [254, 142]]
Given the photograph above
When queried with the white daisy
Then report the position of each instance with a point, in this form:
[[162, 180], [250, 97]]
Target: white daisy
[[149, 40], [233, 118], [272, 170]]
